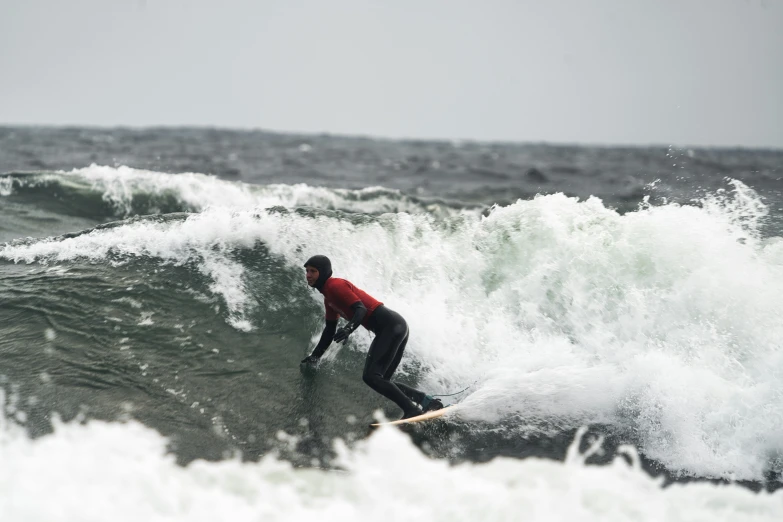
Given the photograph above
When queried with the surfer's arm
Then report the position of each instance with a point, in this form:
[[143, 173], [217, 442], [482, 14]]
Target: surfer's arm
[[359, 312], [326, 339]]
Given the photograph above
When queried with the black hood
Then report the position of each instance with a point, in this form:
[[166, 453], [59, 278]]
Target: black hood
[[324, 267]]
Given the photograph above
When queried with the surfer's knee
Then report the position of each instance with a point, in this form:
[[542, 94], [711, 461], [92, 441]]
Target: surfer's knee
[[371, 379], [367, 378]]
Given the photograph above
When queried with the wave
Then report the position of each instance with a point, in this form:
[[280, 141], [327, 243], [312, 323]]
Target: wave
[[663, 322], [124, 191]]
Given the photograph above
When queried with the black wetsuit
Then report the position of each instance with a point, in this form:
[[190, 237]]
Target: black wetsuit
[[386, 350], [383, 357]]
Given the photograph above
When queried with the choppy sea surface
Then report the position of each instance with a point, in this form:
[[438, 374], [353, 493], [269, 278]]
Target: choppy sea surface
[[609, 320]]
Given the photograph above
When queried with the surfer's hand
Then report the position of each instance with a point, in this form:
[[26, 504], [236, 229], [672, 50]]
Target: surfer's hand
[[342, 334], [310, 360]]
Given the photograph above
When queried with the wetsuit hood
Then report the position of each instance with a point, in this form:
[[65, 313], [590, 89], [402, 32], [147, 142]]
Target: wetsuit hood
[[324, 267]]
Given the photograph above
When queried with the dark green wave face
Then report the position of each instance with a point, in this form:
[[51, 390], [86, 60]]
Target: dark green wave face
[[150, 341], [180, 301]]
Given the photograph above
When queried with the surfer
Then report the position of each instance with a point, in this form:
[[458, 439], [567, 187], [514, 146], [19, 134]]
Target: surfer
[[342, 298]]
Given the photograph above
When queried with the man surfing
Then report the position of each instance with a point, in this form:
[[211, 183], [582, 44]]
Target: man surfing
[[343, 299]]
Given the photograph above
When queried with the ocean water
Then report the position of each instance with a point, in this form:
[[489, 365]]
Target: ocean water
[[608, 319]]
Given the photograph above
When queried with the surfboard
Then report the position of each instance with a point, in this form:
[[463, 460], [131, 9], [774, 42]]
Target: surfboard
[[424, 416]]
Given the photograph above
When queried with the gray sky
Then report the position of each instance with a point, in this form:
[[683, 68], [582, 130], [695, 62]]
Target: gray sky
[[683, 72]]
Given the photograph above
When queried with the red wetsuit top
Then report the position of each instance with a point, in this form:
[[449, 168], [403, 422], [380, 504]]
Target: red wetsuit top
[[340, 294]]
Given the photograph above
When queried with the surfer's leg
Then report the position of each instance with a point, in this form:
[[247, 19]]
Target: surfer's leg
[[380, 358], [427, 402], [412, 393], [395, 362]]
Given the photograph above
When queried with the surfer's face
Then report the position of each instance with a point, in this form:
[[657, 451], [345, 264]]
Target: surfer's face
[[311, 274]]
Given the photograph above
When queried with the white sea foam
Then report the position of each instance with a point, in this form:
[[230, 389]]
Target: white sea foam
[[6, 186], [120, 471], [665, 320]]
